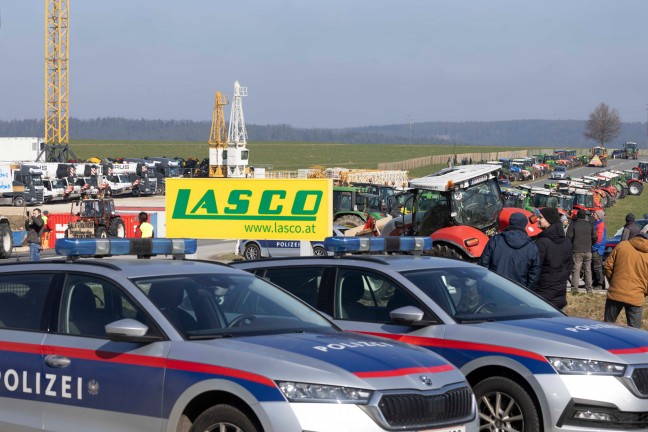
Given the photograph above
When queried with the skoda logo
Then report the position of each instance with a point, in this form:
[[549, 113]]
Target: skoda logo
[[426, 380]]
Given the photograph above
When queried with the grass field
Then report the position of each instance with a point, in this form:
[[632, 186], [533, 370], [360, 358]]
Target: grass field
[[282, 155]]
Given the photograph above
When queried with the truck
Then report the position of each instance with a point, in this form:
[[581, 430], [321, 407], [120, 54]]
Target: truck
[[22, 148], [55, 184], [139, 173], [460, 208], [21, 184], [164, 168]]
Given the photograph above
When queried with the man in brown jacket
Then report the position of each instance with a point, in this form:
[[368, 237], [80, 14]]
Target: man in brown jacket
[[627, 271]]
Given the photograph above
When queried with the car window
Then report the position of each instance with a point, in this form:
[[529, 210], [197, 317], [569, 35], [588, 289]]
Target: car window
[[213, 305], [302, 282], [475, 294], [367, 296], [89, 303], [22, 298]]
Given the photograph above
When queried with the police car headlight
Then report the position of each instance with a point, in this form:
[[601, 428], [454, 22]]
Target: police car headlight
[[305, 392], [570, 366]]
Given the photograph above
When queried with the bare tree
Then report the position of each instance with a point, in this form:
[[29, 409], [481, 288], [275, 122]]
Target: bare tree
[[604, 124]]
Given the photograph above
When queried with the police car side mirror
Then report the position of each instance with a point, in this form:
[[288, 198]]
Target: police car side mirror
[[129, 330], [407, 315]]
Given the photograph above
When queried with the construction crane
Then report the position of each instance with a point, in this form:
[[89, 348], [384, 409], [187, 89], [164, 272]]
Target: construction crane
[[56, 81], [237, 153], [217, 139]]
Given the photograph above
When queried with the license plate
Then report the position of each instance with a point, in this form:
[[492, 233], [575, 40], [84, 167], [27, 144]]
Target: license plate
[[449, 429]]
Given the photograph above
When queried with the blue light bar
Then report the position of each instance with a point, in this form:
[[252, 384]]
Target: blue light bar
[[121, 246], [342, 244]]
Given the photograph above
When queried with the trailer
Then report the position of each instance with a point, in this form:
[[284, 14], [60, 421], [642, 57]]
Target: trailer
[[22, 148]]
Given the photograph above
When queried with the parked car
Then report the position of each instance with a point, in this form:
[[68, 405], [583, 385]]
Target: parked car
[[612, 242], [559, 172], [255, 249], [531, 367], [179, 345]]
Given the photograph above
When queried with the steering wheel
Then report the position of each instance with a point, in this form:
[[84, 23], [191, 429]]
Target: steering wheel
[[242, 320], [479, 308]]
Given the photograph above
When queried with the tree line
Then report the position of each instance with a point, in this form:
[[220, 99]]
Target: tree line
[[525, 133]]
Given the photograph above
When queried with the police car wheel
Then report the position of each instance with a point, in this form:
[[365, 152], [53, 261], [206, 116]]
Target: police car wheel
[[223, 418], [252, 252], [319, 251], [502, 404]]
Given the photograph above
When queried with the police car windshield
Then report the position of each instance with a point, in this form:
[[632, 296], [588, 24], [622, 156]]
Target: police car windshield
[[204, 306], [475, 294]]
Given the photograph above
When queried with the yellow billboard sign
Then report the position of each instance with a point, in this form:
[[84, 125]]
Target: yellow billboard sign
[[217, 208]]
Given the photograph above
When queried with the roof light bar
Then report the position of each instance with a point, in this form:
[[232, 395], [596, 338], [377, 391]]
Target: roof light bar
[[341, 244], [121, 246]]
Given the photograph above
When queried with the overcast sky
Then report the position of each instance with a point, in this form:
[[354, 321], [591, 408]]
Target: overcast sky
[[335, 63]]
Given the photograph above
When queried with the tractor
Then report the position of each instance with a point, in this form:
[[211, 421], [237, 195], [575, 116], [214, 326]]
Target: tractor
[[351, 207], [95, 218], [630, 150]]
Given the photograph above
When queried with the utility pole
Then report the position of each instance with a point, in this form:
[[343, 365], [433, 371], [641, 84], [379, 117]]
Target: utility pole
[[410, 128]]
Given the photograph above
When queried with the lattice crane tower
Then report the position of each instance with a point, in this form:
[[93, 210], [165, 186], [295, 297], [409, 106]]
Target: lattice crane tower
[[56, 80], [217, 139], [237, 153]]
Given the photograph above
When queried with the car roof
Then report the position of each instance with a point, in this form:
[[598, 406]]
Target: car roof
[[129, 267], [397, 263]]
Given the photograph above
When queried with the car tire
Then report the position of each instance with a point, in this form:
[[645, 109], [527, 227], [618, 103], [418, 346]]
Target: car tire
[[223, 418], [319, 251], [6, 241], [18, 201], [100, 232], [500, 399], [136, 192], [117, 228], [252, 251]]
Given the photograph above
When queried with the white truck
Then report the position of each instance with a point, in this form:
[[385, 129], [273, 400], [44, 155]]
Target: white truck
[[22, 148], [140, 175], [56, 187], [21, 184]]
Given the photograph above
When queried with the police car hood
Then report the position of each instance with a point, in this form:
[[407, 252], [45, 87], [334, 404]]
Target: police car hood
[[567, 336], [343, 359]]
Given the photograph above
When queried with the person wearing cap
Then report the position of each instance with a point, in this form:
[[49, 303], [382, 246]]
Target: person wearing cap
[[582, 235], [512, 254], [555, 252], [598, 248], [627, 271], [630, 229], [564, 220]]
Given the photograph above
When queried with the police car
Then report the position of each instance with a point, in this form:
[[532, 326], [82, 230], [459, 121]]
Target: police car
[[254, 249], [531, 367], [178, 345]]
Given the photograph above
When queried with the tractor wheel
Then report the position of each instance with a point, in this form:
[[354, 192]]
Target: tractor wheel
[[624, 191], [635, 188], [6, 241], [350, 221], [117, 228], [18, 201], [100, 232], [446, 251]]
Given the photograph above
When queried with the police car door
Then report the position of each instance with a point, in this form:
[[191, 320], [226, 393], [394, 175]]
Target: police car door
[[94, 383], [23, 320]]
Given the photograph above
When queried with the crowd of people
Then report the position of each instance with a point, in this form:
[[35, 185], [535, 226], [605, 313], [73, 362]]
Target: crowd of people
[[554, 260]]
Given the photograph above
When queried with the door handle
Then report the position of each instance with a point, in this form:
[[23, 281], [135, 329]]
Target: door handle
[[57, 361]]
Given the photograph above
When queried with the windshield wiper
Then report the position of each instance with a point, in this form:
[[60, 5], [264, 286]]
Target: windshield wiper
[[210, 336]]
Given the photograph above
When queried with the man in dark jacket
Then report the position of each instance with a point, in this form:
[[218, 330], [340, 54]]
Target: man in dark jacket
[[582, 235], [34, 226], [512, 254], [556, 262], [630, 229]]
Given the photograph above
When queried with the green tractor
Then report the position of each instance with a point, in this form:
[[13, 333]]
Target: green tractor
[[352, 207]]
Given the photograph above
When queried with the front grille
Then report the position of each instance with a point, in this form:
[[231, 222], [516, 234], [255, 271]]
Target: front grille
[[640, 379], [415, 409]]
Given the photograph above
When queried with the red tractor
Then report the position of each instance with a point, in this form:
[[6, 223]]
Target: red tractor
[[460, 208]]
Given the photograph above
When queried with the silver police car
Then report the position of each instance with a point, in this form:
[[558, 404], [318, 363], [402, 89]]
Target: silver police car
[[179, 345], [531, 367], [255, 249]]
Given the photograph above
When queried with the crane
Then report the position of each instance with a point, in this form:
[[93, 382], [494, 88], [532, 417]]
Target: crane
[[56, 81], [237, 153], [217, 139]]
